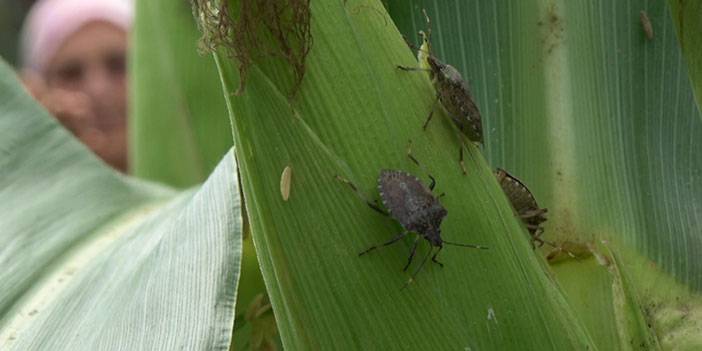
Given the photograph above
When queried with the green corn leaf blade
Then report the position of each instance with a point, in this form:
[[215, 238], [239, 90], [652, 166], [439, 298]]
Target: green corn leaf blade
[[603, 126], [686, 16], [604, 133], [353, 116], [178, 125], [606, 301], [94, 260]]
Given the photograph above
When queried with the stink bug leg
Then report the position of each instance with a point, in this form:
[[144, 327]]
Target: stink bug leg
[[412, 252], [391, 241], [406, 68], [414, 275], [433, 258], [372, 204], [431, 113], [411, 157]]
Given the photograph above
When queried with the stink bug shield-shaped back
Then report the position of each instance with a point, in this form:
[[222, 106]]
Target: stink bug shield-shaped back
[[414, 206]]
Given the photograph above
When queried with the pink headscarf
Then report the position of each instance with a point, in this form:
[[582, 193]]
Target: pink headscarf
[[50, 22]]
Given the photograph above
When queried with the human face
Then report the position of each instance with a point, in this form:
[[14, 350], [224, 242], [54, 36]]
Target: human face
[[92, 61]]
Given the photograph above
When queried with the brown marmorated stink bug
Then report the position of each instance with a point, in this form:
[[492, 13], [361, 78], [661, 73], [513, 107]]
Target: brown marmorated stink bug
[[451, 90], [524, 205], [414, 206]]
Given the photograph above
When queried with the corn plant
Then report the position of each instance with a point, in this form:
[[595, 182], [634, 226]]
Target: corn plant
[[590, 103]]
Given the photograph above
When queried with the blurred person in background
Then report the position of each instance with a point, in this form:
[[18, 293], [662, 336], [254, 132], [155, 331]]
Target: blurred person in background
[[73, 56]]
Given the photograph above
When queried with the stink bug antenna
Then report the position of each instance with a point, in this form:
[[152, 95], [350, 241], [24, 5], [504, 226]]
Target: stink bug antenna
[[466, 245], [426, 37], [428, 34]]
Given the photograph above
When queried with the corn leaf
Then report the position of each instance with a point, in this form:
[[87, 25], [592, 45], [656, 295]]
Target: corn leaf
[[353, 116], [178, 122], [94, 260], [601, 122]]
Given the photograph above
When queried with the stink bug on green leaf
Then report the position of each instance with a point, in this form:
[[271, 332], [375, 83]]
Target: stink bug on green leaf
[[524, 204], [414, 206], [451, 90]]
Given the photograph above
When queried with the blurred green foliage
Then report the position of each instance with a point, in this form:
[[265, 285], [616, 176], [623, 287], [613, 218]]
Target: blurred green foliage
[[12, 14]]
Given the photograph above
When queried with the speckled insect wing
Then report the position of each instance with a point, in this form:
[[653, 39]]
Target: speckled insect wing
[[403, 195], [457, 99], [470, 123]]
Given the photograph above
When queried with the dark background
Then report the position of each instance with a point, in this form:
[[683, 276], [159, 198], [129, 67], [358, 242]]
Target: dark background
[[12, 14]]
